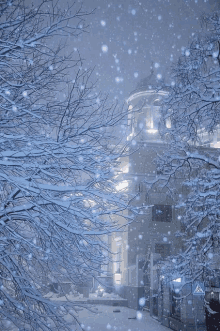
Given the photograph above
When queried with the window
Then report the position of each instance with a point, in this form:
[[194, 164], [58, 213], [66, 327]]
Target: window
[[139, 187], [162, 213], [168, 123], [162, 249]]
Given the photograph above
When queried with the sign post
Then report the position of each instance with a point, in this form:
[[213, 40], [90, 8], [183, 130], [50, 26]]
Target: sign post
[[198, 291], [198, 288]]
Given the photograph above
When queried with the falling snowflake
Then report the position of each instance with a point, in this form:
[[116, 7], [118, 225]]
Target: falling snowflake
[[187, 52], [104, 48], [108, 326], [142, 302], [14, 108], [119, 80], [136, 75], [24, 94], [159, 17], [156, 65], [103, 23], [133, 11], [129, 51], [159, 76], [139, 315]]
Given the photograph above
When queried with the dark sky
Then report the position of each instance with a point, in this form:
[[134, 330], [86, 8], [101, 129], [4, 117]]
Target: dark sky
[[126, 36]]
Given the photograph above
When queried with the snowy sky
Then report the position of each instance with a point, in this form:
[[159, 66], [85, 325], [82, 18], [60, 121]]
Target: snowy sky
[[126, 36]]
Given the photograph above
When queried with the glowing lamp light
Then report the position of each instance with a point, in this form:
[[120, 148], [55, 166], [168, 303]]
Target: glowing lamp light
[[216, 145], [152, 131], [122, 185], [125, 169]]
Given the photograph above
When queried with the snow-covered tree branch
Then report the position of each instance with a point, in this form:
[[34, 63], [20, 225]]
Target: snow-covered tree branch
[[193, 107], [58, 162]]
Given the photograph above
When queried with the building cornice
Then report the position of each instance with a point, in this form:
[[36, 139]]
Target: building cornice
[[137, 94]]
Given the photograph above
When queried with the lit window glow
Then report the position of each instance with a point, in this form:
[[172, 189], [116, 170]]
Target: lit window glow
[[122, 185], [152, 131], [216, 145], [125, 169], [168, 123]]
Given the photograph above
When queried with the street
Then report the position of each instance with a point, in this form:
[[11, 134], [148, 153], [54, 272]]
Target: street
[[118, 318]]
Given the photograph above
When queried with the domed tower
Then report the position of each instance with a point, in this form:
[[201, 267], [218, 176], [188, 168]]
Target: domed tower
[[146, 100], [150, 237]]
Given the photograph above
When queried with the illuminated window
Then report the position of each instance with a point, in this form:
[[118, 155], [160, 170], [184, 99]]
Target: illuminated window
[[168, 123]]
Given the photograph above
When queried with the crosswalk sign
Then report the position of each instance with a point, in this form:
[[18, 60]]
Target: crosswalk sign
[[198, 289]]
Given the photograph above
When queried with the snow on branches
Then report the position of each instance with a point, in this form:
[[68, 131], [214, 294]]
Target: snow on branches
[[193, 108], [58, 161]]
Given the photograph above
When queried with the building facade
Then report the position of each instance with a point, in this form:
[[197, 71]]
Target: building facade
[[151, 236], [141, 249]]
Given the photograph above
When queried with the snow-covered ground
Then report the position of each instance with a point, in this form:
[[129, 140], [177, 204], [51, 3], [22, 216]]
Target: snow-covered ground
[[104, 318], [123, 319]]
